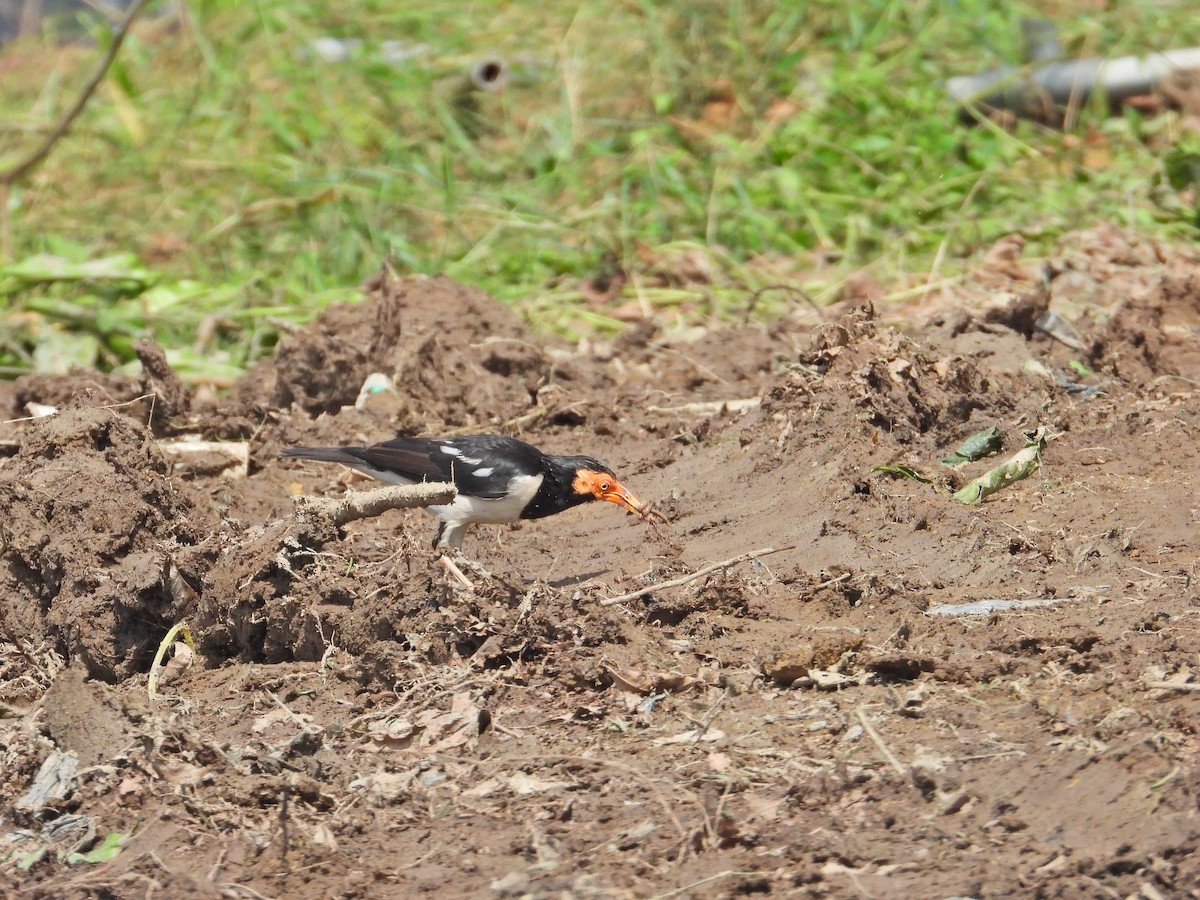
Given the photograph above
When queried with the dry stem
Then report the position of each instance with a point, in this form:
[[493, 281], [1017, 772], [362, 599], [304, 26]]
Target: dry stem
[[448, 564], [1173, 686], [684, 579], [880, 743]]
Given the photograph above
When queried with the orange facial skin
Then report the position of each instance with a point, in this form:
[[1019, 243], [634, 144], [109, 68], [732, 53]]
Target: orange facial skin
[[603, 486]]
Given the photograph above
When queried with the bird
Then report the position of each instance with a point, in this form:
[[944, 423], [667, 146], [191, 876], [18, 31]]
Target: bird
[[499, 479]]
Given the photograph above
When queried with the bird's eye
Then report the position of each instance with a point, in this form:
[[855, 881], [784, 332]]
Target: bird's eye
[[604, 486]]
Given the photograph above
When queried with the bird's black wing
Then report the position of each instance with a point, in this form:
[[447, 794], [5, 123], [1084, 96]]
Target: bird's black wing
[[478, 465], [410, 458]]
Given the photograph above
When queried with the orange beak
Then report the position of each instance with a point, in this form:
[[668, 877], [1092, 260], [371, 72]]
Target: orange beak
[[617, 494]]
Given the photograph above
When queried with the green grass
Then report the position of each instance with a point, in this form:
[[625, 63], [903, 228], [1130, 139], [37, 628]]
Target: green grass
[[238, 180]]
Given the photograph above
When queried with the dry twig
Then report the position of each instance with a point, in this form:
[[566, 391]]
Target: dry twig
[[709, 408], [845, 576], [365, 504], [1173, 686], [448, 564], [879, 742], [684, 579]]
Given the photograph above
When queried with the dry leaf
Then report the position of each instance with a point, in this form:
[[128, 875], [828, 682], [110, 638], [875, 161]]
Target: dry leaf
[[765, 808], [720, 762], [639, 682], [898, 367], [274, 717], [692, 736], [484, 788], [522, 784], [186, 775], [129, 786], [180, 662], [385, 786], [323, 837], [630, 680]]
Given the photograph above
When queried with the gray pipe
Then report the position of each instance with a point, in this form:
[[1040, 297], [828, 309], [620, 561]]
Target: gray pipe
[[1075, 80]]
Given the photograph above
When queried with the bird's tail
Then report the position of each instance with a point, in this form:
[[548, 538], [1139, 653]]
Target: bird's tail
[[344, 455]]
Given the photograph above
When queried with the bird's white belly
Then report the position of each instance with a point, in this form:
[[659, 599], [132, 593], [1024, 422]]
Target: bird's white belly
[[480, 511]]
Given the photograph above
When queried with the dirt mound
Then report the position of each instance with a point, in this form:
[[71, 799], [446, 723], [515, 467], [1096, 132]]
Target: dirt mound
[[455, 356], [157, 394], [1151, 339], [897, 385], [78, 386], [91, 523]]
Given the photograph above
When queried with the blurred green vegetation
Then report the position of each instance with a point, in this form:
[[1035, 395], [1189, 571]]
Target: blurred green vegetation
[[225, 177]]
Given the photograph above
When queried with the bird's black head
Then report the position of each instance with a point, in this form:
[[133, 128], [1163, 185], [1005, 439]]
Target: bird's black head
[[572, 480], [590, 479], [583, 464]]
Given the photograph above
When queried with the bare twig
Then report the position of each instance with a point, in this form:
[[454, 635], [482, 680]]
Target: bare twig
[[124, 403], [365, 504], [1173, 686], [879, 742], [283, 821], [845, 576], [684, 579], [791, 289], [29, 163], [709, 408], [702, 724], [520, 421], [448, 564]]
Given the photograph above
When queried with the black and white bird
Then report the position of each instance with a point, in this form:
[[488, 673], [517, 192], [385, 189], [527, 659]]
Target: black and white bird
[[499, 479]]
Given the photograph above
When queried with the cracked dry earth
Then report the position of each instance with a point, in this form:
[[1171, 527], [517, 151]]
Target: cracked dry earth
[[825, 721]]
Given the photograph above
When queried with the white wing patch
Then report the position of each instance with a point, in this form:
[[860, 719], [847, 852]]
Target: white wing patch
[[451, 451], [470, 460], [484, 472]]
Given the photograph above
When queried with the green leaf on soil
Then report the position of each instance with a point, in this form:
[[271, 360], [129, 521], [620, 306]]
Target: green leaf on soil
[[105, 851], [904, 472], [1080, 369], [1020, 465], [977, 446]]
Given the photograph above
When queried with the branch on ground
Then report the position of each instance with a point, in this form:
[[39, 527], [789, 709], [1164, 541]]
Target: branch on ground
[[707, 570], [367, 504]]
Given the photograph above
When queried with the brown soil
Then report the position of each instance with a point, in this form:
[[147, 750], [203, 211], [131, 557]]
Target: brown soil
[[357, 724]]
